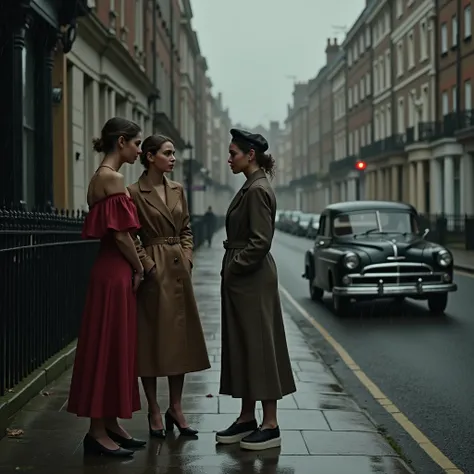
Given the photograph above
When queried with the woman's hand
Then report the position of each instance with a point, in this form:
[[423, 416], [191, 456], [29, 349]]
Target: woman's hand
[[137, 278]]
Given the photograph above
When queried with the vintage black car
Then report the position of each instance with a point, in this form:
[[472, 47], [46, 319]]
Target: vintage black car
[[375, 249]]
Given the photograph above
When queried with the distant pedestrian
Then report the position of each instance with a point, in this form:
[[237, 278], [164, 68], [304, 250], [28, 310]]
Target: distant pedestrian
[[170, 336], [209, 219], [255, 361], [104, 383]]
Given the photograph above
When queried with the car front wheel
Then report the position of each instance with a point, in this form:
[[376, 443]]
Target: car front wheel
[[437, 303], [315, 292]]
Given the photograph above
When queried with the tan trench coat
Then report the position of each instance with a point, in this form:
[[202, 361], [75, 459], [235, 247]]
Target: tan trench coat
[[255, 360], [170, 336]]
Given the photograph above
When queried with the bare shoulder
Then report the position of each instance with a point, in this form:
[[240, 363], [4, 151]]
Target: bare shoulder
[[113, 182]]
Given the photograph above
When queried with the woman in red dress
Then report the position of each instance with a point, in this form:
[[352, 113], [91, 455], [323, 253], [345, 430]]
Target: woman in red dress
[[104, 383]]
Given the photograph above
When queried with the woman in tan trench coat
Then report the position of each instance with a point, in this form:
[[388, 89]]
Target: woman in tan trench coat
[[255, 361], [170, 337]]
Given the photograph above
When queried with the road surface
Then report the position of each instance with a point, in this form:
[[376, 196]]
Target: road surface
[[424, 364]]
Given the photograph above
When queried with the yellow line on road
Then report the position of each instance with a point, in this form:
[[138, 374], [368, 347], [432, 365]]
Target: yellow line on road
[[430, 449]]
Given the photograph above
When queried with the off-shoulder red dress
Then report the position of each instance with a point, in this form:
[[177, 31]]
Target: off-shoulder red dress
[[104, 380]]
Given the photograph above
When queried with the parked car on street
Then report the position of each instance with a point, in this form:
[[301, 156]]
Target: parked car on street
[[292, 222], [302, 224], [313, 226], [375, 249]]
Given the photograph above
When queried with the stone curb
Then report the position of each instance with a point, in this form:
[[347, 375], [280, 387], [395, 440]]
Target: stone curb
[[464, 268], [27, 389]]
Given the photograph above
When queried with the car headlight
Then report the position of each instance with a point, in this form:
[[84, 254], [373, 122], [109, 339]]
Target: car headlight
[[444, 258], [351, 260]]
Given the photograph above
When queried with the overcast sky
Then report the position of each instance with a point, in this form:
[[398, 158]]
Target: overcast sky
[[255, 47]]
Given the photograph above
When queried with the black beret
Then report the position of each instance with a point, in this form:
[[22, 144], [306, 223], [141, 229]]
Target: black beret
[[255, 140]]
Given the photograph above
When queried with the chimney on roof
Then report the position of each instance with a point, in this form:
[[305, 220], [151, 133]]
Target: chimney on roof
[[332, 49]]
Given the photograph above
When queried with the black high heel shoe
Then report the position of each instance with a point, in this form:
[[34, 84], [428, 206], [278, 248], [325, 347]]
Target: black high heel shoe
[[170, 422], [92, 446], [127, 443], [155, 433]]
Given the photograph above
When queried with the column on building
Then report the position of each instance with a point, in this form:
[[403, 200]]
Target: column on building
[[448, 185], [387, 184], [379, 185], [76, 136], [334, 192], [373, 185], [420, 186], [412, 183], [394, 177], [436, 194], [467, 184], [352, 189], [112, 103]]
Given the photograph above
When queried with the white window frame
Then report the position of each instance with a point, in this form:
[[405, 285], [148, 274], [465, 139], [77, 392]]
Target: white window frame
[[423, 41], [400, 58], [411, 49], [454, 30], [445, 103], [467, 22], [444, 38], [388, 69], [467, 95]]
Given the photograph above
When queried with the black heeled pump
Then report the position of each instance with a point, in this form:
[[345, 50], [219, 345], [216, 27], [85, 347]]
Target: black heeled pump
[[171, 422], [127, 443], [155, 433], [92, 446]]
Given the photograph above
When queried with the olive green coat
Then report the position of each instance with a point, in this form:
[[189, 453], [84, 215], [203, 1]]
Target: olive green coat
[[255, 360]]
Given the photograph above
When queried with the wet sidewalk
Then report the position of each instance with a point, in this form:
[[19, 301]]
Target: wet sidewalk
[[323, 430]]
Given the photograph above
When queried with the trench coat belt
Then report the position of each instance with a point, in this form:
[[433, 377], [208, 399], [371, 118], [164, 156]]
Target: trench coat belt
[[162, 241], [234, 245]]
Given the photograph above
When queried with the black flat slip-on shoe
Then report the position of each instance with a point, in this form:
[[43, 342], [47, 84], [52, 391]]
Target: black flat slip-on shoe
[[127, 443], [155, 433], [262, 439], [170, 422], [92, 446], [236, 432]]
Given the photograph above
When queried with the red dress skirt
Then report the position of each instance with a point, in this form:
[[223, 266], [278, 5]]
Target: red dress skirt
[[104, 379]]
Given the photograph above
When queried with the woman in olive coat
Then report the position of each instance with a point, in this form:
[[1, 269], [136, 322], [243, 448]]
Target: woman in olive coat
[[255, 360], [170, 336]]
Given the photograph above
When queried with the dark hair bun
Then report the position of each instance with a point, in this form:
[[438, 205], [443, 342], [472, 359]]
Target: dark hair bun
[[98, 145], [267, 163]]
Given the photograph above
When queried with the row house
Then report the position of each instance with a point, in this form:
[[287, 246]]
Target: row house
[[453, 170], [358, 111], [30, 95]]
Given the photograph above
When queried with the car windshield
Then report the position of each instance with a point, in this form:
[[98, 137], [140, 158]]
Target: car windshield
[[373, 222]]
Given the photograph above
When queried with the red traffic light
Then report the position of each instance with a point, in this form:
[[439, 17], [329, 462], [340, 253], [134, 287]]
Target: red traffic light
[[361, 165]]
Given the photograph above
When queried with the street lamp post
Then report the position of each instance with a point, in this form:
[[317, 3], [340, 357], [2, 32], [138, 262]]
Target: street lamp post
[[189, 178]]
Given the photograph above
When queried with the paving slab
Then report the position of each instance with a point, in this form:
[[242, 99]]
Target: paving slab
[[323, 429]]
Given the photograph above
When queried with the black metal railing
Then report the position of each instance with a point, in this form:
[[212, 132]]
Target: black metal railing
[[452, 230], [393, 144], [45, 267], [45, 270]]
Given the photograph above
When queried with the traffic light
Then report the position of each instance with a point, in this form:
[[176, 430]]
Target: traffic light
[[361, 165]]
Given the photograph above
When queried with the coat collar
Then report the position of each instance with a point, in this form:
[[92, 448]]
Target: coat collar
[[259, 174], [153, 198]]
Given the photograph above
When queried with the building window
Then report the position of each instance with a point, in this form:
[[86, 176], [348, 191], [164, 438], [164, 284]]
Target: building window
[[411, 50], [361, 89], [454, 97], [388, 69], [356, 95], [401, 115], [454, 30], [361, 46], [367, 38], [445, 103], [444, 38], [29, 99], [349, 58], [467, 95], [139, 30], [349, 97], [423, 41], [388, 120], [400, 59], [467, 22], [368, 86]]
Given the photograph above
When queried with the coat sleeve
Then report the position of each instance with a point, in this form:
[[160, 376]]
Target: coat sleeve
[[261, 232], [186, 234], [147, 261]]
